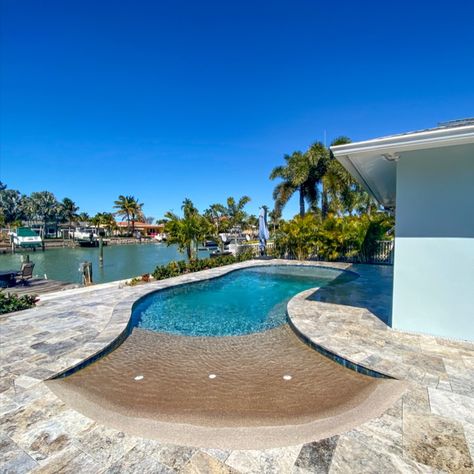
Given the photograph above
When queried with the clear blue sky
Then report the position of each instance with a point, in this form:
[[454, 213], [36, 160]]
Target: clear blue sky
[[170, 99]]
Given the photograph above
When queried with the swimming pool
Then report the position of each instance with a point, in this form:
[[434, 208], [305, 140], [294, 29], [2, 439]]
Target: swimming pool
[[242, 302], [212, 363]]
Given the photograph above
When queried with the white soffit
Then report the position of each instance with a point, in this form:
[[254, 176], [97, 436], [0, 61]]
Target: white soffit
[[373, 163]]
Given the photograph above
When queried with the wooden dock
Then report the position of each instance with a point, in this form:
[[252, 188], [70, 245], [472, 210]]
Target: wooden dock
[[38, 286]]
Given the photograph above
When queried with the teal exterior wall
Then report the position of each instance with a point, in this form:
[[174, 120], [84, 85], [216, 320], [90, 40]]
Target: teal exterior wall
[[434, 246]]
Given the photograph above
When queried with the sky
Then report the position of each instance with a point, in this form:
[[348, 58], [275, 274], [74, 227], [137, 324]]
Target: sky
[[167, 100]]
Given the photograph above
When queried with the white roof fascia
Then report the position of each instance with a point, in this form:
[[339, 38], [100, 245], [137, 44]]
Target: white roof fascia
[[410, 141]]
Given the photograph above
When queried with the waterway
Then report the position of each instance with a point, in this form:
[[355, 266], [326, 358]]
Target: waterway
[[120, 261]]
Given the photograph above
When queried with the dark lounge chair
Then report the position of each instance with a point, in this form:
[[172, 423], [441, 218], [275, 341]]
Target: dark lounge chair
[[26, 272]]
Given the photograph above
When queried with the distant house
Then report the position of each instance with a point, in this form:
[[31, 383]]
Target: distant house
[[146, 230], [427, 178]]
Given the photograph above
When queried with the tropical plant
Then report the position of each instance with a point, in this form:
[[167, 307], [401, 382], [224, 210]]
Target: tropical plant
[[105, 220], [235, 210], [11, 302], [297, 237], [341, 237], [341, 193], [181, 267], [187, 231], [334, 238], [130, 210], [215, 213], [274, 219], [380, 227], [251, 221], [11, 205], [321, 182], [145, 278], [83, 217], [301, 174], [45, 208], [69, 210]]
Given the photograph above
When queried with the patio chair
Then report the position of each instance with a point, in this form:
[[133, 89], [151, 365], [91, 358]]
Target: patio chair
[[26, 272]]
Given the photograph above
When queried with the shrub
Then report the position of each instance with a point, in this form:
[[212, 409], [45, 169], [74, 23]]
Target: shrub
[[297, 238], [145, 278], [181, 267], [335, 238], [11, 302]]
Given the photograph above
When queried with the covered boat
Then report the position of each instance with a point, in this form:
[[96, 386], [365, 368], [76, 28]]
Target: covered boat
[[24, 237]]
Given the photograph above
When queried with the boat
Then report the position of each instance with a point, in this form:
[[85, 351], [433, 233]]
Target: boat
[[208, 245], [160, 237], [86, 237], [25, 237]]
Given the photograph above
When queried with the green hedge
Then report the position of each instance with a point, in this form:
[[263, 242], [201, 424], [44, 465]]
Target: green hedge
[[182, 267], [11, 302]]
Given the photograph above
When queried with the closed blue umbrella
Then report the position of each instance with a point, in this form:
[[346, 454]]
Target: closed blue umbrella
[[263, 233]]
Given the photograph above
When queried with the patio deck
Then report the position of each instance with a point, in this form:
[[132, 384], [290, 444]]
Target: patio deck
[[431, 429], [40, 286]]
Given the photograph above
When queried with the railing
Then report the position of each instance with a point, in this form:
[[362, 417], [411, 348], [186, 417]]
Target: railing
[[254, 248], [382, 253]]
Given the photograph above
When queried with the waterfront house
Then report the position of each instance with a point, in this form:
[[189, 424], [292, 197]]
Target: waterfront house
[[427, 179]]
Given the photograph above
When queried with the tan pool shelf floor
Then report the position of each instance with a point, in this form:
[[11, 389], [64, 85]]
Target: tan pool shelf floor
[[257, 391]]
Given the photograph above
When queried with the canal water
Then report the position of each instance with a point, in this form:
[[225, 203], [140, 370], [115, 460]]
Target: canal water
[[120, 261]]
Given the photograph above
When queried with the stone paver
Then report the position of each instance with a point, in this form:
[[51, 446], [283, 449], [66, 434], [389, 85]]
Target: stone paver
[[430, 430]]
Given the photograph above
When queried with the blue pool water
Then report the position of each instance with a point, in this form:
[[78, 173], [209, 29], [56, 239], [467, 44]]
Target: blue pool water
[[242, 302]]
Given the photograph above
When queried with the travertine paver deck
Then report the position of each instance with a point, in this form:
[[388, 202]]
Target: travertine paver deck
[[430, 430]]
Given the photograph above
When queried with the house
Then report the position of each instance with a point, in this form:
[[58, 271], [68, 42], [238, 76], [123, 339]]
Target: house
[[427, 178], [146, 230]]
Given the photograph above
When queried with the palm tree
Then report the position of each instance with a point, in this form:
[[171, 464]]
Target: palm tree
[[129, 209], [136, 212], [188, 230], [11, 205], [69, 210], [215, 213], [44, 207], [235, 210], [105, 220], [341, 192], [83, 217], [274, 219], [302, 173]]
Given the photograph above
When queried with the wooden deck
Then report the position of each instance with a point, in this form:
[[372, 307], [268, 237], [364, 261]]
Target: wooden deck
[[38, 286]]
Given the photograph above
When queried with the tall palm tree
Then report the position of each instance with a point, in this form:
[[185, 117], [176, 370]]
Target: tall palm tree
[[69, 210], [45, 207], [136, 212], [301, 174], [129, 209], [341, 192]]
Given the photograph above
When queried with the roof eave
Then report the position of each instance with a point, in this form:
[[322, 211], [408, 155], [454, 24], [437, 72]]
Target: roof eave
[[408, 142]]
